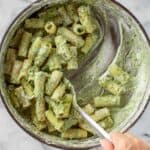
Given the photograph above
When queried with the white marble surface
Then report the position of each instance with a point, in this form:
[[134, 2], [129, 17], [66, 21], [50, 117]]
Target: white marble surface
[[11, 136]]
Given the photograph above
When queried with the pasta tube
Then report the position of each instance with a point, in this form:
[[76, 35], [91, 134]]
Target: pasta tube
[[67, 21], [40, 125], [50, 27], [34, 48], [86, 19], [107, 101], [78, 29], [118, 74], [24, 44], [106, 123], [24, 99], [57, 123], [71, 37], [73, 62], [15, 72], [24, 70], [43, 54], [9, 61], [34, 23], [111, 86], [16, 39], [27, 88], [74, 134], [40, 108], [71, 9], [39, 84], [53, 81], [89, 43], [101, 114], [89, 109], [59, 91], [62, 47]]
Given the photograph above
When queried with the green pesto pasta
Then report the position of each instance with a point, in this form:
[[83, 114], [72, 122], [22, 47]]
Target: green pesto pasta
[[71, 37], [73, 62], [53, 63], [38, 33], [24, 70], [40, 108], [22, 97], [89, 43], [78, 29], [111, 86], [89, 109], [16, 40], [74, 134], [31, 73], [34, 23], [28, 88], [39, 84], [40, 125], [43, 54], [62, 108], [48, 14], [24, 44], [62, 47], [86, 19], [106, 123], [107, 101], [53, 82], [15, 72], [59, 91], [65, 16], [9, 61], [14, 99], [57, 123], [118, 74], [50, 27], [45, 50], [34, 48], [101, 114], [72, 12]]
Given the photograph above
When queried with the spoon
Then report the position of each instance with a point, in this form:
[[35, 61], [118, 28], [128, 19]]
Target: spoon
[[96, 127]]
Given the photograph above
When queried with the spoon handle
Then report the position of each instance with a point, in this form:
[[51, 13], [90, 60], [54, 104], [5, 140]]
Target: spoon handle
[[98, 129]]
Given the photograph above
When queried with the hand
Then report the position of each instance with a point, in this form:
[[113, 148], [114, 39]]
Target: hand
[[124, 142]]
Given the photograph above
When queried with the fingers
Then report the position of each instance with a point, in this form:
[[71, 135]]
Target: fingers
[[106, 145]]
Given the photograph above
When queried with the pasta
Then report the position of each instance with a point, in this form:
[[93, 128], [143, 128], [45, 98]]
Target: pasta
[[24, 44], [9, 61], [112, 86], [62, 47], [119, 74], [74, 134], [15, 72], [107, 101], [50, 27], [86, 19], [34, 23], [71, 37], [53, 82], [46, 48], [43, 54]]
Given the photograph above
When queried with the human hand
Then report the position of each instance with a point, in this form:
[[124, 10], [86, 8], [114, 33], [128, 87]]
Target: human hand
[[124, 142]]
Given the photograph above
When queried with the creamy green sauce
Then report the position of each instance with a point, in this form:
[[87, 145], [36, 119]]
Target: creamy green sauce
[[131, 51]]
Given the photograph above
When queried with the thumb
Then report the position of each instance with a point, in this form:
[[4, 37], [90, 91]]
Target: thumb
[[106, 145]]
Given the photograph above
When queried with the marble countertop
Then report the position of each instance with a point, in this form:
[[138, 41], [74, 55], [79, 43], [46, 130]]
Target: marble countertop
[[14, 138]]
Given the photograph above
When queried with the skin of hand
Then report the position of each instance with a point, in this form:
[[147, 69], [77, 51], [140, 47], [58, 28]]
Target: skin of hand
[[124, 142]]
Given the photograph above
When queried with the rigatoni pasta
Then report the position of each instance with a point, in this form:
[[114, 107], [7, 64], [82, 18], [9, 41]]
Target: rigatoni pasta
[[47, 47]]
